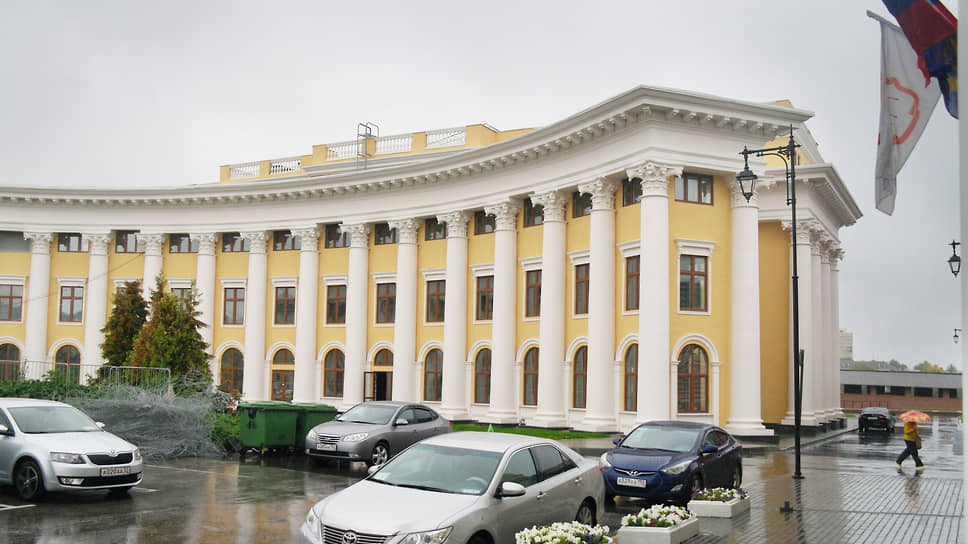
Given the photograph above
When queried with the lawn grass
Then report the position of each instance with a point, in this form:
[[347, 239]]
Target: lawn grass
[[553, 434]]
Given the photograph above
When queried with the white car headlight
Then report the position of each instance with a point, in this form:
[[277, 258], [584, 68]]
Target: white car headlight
[[312, 522], [137, 454], [427, 537], [355, 437], [678, 468], [70, 458], [311, 436]]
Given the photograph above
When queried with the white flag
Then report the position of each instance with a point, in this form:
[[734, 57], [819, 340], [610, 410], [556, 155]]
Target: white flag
[[907, 102]]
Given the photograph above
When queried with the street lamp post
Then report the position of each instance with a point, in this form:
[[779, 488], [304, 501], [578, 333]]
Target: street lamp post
[[747, 181], [954, 262], [956, 335]]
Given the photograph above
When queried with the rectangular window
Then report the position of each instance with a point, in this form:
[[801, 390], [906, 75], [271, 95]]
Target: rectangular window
[[285, 305], [11, 302], [126, 241], [632, 283], [383, 235], [533, 293], [533, 213], [485, 298], [694, 188], [692, 283], [336, 304], [71, 304], [182, 243], [284, 240], [483, 222], [631, 191], [183, 293], [233, 307], [335, 237], [581, 204], [852, 388], [71, 242], [233, 242], [386, 302], [581, 289], [436, 291], [434, 230]]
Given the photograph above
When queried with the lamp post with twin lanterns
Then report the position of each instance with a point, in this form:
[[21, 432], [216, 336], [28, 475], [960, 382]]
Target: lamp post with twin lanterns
[[747, 181]]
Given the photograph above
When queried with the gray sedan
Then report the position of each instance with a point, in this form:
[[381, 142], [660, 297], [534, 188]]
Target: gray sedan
[[462, 488], [374, 431]]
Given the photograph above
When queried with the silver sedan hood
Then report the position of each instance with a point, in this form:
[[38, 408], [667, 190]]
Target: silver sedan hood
[[81, 442]]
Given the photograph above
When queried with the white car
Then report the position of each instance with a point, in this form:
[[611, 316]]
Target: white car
[[52, 446], [462, 488]]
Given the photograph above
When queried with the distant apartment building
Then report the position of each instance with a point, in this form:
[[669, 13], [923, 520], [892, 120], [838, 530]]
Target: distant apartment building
[[900, 391], [846, 345]]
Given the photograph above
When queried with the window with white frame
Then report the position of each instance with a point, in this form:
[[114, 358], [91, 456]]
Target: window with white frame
[[71, 303], [12, 298], [695, 259]]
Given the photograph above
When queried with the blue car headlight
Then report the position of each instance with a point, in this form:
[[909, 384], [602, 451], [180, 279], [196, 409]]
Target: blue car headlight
[[603, 462], [678, 468]]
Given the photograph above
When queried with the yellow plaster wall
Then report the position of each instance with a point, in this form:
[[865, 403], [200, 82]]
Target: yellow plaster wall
[[431, 255], [775, 351], [17, 264], [66, 264], [480, 251], [279, 264], [228, 266], [332, 261], [383, 258], [529, 245], [627, 226], [577, 238]]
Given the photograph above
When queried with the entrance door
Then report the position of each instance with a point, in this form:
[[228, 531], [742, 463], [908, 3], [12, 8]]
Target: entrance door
[[282, 381], [377, 385]]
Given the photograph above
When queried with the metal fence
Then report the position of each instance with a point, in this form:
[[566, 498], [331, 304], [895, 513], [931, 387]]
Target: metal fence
[[147, 378]]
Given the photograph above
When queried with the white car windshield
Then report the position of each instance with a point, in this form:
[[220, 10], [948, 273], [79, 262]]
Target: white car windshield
[[441, 469], [369, 413], [661, 438], [52, 419]]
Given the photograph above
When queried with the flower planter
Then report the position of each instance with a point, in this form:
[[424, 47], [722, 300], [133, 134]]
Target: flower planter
[[659, 535], [718, 509]]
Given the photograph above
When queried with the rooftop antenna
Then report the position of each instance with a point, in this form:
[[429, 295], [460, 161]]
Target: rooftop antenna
[[365, 132]]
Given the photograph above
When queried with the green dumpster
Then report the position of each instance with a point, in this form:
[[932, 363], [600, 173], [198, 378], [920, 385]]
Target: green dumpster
[[267, 424], [310, 415]]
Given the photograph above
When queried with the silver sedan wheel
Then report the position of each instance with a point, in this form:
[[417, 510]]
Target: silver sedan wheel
[[586, 514]]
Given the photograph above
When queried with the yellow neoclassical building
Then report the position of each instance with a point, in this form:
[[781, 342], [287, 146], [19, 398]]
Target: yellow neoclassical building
[[594, 273]]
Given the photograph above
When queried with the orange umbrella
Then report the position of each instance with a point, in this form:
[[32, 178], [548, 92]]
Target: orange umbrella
[[915, 416]]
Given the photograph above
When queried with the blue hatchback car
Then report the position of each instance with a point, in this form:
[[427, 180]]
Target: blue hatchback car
[[668, 461]]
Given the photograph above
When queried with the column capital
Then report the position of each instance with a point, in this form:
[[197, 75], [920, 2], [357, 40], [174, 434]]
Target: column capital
[[654, 177], [152, 243], [738, 200], [456, 223], [257, 240], [505, 214], [553, 203], [602, 191], [359, 234], [804, 230], [206, 242], [40, 242], [98, 242], [308, 238], [836, 255], [406, 229]]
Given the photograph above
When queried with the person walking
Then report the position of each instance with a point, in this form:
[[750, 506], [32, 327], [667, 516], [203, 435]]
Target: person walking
[[912, 441]]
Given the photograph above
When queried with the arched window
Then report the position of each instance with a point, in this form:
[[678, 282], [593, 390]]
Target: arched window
[[482, 377], [333, 373], [384, 357], [282, 379], [531, 377], [433, 372], [693, 390], [631, 372], [68, 361], [283, 357], [9, 362], [230, 372], [579, 378]]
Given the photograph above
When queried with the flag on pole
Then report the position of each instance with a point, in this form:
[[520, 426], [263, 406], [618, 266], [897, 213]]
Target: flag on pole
[[907, 101], [933, 33]]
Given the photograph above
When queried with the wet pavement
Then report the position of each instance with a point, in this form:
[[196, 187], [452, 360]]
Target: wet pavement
[[851, 493]]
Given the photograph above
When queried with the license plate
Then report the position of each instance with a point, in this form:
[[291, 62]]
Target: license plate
[[630, 482], [115, 471], [326, 447]]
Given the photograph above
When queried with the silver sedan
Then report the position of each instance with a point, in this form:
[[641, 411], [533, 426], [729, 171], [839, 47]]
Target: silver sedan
[[47, 446], [462, 488]]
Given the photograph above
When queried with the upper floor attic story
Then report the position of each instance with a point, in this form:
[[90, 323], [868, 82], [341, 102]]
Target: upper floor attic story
[[371, 149]]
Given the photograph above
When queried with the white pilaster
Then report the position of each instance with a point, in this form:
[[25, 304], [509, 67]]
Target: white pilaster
[[453, 403], [600, 409], [819, 358], [153, 261], [654, 385], [38, 293], [306, 388], [205, 284], [550, 411], [804, 285], [405, 320], [95, 299], [357, 285], [744, 358], [502, 407], [255, 373]]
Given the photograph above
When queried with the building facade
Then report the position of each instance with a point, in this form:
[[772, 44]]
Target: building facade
[[901, 390], [598, 272]]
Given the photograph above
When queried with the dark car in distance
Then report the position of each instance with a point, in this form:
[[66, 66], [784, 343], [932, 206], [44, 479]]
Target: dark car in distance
[[668, 461], [875, 417]]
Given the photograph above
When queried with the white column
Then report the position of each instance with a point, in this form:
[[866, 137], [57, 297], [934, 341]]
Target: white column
[[502, 408], [255, 375], [405, 319], [205, 284], [600, 409], [453, 401], [95, 299], [38, 293], [550, 411], [826, 383], [357, 286], [654, 387], [744, 356], [306, 388], [153, 261], [836, 255], [805, 286], [815, 371]]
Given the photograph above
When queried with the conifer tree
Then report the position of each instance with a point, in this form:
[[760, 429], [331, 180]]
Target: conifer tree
[[128, 316]]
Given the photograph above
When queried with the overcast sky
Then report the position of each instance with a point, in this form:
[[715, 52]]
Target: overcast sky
[[129, 93]]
